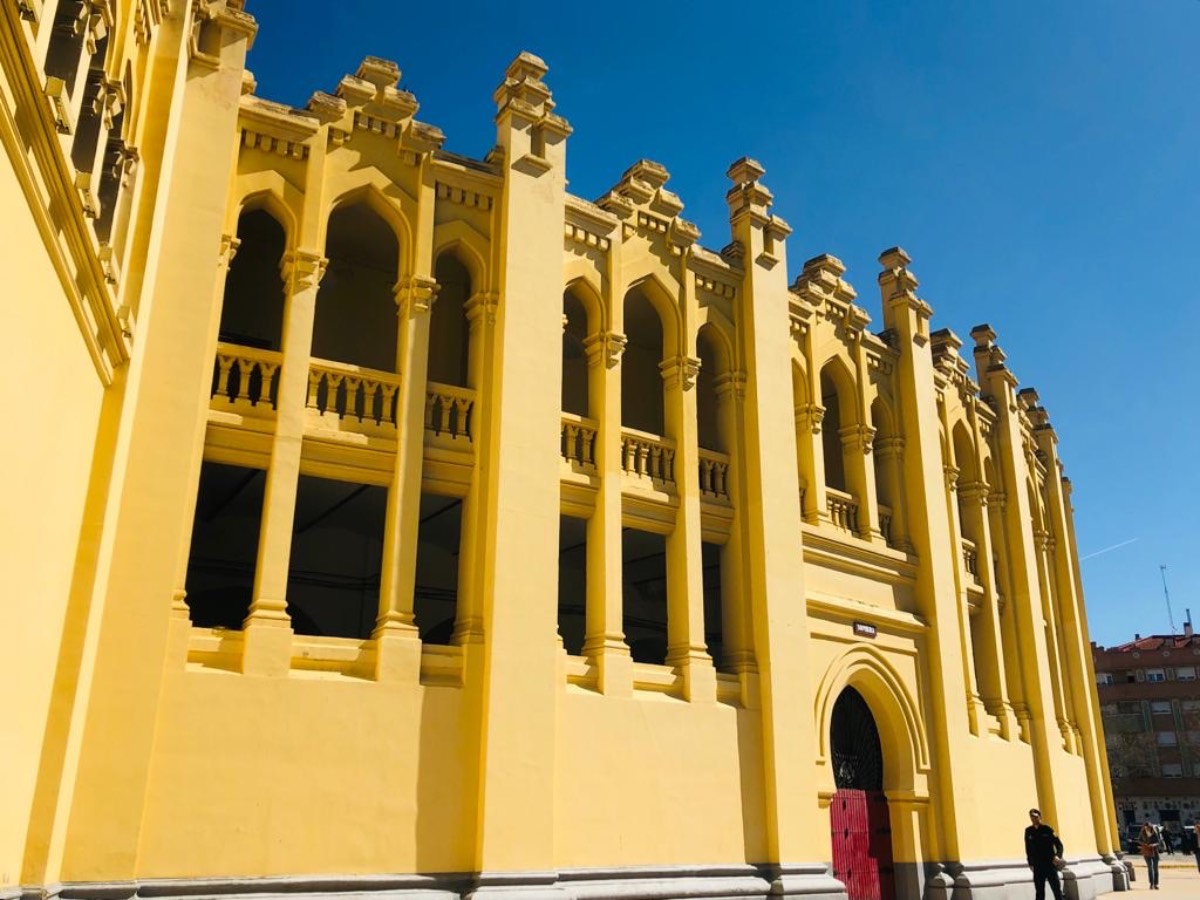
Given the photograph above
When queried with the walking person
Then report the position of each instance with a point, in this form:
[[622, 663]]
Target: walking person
[[1150, 843], [1196, 842], [1043, 852]]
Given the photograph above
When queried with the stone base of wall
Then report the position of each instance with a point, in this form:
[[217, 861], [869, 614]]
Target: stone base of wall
[[810, 881], [1084, 878]]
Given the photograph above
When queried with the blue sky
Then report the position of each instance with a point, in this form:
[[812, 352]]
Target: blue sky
[[1038, 160]]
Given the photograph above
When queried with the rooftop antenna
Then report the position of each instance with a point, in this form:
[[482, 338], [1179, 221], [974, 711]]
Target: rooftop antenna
[[1166, 593]]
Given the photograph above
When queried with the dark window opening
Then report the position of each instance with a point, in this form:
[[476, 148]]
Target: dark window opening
[[644, 594], [449, 330], [439, 536], [831, 437], [641, 378], [708, 425], [337, 548], [63, 55], [572, 582], [91, 113], [714, 601], [356, 304], [252, 311], [574, 357], [220, 575]]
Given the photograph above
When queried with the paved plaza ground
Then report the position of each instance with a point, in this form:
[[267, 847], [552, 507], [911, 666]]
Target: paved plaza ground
[[1178, 877]]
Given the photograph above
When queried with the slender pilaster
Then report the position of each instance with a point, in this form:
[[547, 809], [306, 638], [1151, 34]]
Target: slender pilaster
[[891, 454], [795, 832], [517, 681], [736, 623], [1109, 841], [604, 640], [860, 476], [268, 626], [685, 586], [398, 646], [1078, 667], [481, 321], [1024, 592], [937, 591]]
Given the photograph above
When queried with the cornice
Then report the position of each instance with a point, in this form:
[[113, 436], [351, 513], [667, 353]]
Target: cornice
[[275, 127], [466, 170]]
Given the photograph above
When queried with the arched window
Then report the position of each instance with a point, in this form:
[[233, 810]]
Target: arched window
[[574, 356], [356, 305], [449, 331], [641, 377], [964, 460], [837, 399], [710, 433], [252, 311], [887, 470]]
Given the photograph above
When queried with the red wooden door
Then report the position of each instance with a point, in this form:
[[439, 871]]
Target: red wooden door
[[862, 844]]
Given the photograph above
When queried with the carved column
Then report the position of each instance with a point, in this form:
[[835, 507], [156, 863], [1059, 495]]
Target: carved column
[[860, 478], [398, 647], [735, 595], [268, 626], [481, 312], [1044, 543], [686, 649], [975, 710], [891, 454], [604, 639], [811, 461]]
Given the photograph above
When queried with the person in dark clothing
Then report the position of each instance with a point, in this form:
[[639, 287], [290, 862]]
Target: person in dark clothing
[[1043, 852]]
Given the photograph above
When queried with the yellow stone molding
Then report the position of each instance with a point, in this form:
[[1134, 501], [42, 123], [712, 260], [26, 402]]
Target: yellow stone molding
[[415, 295]]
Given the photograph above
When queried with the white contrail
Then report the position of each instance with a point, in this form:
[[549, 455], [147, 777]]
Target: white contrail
[[1107, 549]]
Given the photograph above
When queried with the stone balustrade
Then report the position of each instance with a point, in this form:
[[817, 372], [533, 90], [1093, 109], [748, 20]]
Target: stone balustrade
[[448, 412], [885, 523], [579, 441], [970, 556], [648, 457], [843, 510], [246, 376], [714, 475], [347, 392]]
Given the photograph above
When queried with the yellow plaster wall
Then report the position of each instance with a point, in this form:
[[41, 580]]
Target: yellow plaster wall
[[651, 780], [1004, 792], [43, 475], [314, 774]]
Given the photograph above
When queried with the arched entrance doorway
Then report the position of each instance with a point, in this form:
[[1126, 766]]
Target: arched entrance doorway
[[859, 819]]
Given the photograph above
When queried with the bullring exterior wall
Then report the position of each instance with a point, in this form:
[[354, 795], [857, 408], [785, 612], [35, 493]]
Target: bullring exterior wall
[[887, 516]]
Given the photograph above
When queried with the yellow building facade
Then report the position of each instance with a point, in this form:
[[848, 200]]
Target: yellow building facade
[[386, 521]]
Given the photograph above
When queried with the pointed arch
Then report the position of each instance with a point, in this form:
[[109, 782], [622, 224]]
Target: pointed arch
[[714, 353], [385, 199], [666, 305], [586, 290], [838, 397], [255, 298], [722, 330], [468, 246], [355, 320], [271, 192], [835, 373], [964, 453], [901, 728]]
